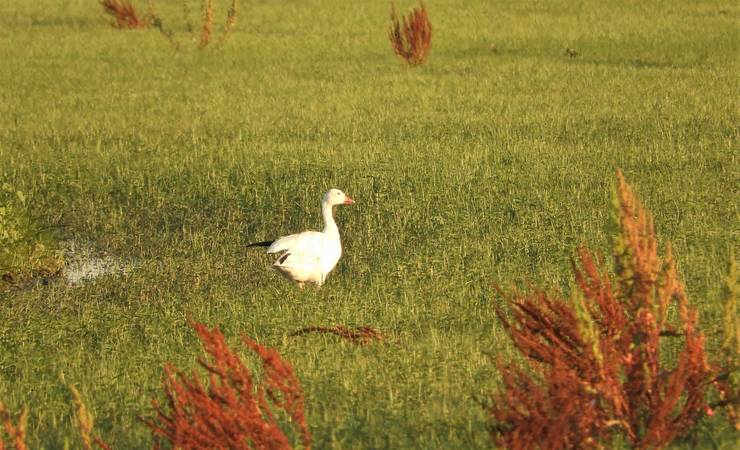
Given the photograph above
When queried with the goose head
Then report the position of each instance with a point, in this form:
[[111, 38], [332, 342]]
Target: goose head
[[336, 197]]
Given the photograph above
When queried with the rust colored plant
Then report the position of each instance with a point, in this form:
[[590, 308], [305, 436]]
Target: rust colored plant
[[230, 21], [728, 382], [360, 335], [205, 36], [208, 20], [234, 410], [411, 36], [207, 28], [124, 14], [85, 423], [15, 432], [595, 360]]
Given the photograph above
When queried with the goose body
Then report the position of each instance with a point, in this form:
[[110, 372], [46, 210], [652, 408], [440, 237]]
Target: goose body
[[308, 257]]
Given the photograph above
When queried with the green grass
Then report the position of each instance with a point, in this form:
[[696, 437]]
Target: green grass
[[481, 166]]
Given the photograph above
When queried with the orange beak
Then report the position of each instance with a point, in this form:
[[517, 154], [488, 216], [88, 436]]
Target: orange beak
[[348, 201]]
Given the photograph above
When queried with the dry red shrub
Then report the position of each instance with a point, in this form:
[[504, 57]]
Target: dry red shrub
[[230, 21], [124, 14], [411, 36], [16, 432], [360, 335], [596, 368], [85, 423], [205, 37], [728, 382], [207, 28], [234, 411]]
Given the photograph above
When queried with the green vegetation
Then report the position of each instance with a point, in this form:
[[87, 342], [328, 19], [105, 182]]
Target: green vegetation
[[490, 163], [26, 252]]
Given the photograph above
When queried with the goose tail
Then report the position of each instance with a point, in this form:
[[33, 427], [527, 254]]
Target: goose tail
[[261, 244]]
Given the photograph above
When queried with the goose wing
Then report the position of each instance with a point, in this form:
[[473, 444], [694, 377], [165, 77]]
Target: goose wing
[[308, 243]]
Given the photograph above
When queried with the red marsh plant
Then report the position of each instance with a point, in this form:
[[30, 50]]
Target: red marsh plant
[[124, 14], [16, 432], [206, 30], [411, 35], [233, 410], [204, 37], [360, 335], [85, 424], [595, 367], [728, 383]]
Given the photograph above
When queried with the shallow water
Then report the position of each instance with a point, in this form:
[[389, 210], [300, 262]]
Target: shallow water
[[83, 263]]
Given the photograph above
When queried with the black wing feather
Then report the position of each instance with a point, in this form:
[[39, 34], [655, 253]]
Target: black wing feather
[[261, 244]]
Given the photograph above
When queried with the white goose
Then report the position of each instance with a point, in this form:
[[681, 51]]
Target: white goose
[[308, 257]]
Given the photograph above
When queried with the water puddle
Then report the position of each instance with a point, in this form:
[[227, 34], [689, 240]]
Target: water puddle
[[83, 264]]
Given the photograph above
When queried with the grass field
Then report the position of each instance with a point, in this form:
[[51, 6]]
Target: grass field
[[490, 163]]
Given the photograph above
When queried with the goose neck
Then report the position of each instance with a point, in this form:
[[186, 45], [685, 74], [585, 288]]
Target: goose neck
[[330, 227]]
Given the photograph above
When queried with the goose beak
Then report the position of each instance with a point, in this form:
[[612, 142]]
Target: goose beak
[[348, 201]]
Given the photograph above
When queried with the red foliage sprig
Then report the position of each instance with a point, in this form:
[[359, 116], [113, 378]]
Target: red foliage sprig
[[234, 411], [85, 423], [124, 14], [16, 431], [596, 367], [411, 35], [361, 335]]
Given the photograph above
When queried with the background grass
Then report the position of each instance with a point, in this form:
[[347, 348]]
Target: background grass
[[490, 163]]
